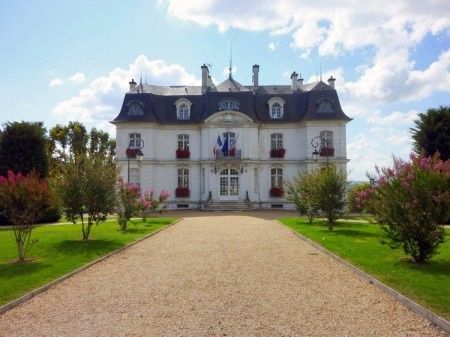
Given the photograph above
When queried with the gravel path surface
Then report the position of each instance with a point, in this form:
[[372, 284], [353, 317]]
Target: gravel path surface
[[216, 276]]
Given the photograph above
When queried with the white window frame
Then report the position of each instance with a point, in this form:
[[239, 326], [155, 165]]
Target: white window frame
[[231, 138], [276, 107], [276, 177], [183, 141], [183, 108], [135, 177], [276, 141], [325, 106], [132, 140], [183, 177], [327, 140]]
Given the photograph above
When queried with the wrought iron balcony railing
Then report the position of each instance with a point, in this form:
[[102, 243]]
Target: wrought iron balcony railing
[[233, 154]]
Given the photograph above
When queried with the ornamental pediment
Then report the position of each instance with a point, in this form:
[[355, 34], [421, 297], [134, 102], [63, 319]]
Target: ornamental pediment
[[228, 118]]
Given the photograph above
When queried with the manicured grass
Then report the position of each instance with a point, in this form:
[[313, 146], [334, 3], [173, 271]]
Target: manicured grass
[[61, 250], [359, 243]]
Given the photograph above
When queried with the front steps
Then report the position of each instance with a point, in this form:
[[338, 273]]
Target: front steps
[[227, 206]]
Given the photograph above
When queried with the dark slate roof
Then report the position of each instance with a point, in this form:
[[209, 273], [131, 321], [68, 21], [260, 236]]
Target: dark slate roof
[[159, 102]]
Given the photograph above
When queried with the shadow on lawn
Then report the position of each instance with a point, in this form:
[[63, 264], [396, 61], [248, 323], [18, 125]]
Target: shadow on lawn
[[438, 268], [15, 269], [79, 247], [349, 232]]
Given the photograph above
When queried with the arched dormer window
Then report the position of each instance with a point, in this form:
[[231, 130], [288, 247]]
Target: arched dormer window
[[228, 104], [324, 106], [183, 107], [276, 107], [135, 108]]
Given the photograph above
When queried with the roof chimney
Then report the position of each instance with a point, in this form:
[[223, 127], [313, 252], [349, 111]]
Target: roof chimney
[[255, 76], [205, 77], [294, 77], [331, 81], [132, 84]]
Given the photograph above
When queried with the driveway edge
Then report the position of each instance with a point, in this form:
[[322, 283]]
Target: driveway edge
[[409, 303], [31, 294]]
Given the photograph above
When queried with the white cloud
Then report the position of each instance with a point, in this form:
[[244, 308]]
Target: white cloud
[[394, 118], [56, 82], [100, 101], [272, 46], [77, 78], [388, 29]]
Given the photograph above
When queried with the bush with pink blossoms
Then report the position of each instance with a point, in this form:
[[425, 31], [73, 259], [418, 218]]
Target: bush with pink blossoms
[[151, 204], [24, 199], [410, 200], [128, 202]]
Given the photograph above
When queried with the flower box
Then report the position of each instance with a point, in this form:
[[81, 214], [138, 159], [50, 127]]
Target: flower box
[[183, 154], [132, 153], [276, 192], [277, 153], [326, 152], [182, 192]]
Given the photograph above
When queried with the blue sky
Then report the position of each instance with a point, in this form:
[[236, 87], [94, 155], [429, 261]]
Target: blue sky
[[72, 60]]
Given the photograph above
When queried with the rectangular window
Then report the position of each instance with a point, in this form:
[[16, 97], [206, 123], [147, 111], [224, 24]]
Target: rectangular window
[[183, 142], [134, 140], [135, 177], [276, 177], [276, 141], [202, 182], [183, 177], [327, 140]]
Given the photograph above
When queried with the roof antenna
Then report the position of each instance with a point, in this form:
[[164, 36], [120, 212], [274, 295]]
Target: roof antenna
[[320, 71], [140, 81], [231, 61]]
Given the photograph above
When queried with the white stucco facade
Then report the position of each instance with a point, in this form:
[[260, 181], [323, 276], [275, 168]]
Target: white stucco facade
[[159, 169]]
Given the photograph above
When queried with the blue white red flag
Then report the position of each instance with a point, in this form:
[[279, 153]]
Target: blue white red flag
[[218, 145]]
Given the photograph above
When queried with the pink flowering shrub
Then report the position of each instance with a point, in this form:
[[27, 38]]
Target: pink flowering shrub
[[410, 201], [357, 198], [128, 202], [151, 204], [23, 199]]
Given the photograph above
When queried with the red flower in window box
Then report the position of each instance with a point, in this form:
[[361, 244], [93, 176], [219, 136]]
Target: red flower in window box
[[276, 192], [326, 152], [132, 153], [183, 153], [277, 153], [182, 192]]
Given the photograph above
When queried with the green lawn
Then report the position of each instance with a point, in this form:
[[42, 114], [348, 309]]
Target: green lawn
[[359, 243], [60, 250]]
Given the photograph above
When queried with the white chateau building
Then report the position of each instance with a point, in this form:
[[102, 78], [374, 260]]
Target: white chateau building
[[227, 146]]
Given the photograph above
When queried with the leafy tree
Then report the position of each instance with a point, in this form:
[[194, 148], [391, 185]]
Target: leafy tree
[[329, 192], [151, 204], [409, 201], [301, 192], [87, 187], [432, 132], [23, 199], [128, 202], [354, 202], [72, 141], [23, 148]]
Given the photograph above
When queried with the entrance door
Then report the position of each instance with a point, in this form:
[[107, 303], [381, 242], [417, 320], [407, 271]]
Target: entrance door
[[229, 184]]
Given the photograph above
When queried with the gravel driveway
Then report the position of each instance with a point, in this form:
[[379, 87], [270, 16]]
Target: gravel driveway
[[216, 276]]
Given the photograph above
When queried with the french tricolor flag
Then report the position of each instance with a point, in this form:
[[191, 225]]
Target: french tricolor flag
[[218, 145]]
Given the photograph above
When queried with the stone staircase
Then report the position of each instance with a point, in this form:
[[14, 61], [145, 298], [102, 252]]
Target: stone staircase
[[239, 205]]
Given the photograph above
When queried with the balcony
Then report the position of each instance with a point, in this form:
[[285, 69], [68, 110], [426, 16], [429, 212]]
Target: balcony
[[326, 152], [182, 192], [276, 192], [277, 153], [233, 154], [183, 153]]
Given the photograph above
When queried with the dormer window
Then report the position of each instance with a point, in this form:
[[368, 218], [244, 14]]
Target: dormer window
[[183, 107], [228, 104], [135, 109], [324, 106], [276, 107]]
